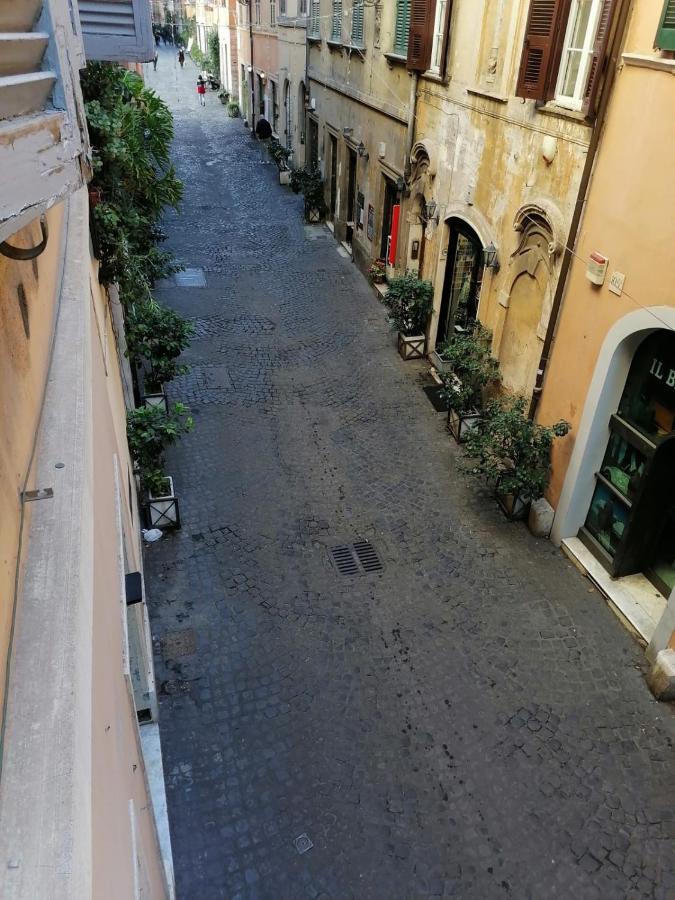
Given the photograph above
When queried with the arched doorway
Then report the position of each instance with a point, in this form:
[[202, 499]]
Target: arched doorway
[[462, 280], [301, 124], [630, 524]]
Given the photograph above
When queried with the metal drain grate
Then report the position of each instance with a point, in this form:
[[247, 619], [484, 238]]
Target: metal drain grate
[[356, 559], [190, 278]]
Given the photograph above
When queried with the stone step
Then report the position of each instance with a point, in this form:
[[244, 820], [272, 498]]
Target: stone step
[[20, 15]]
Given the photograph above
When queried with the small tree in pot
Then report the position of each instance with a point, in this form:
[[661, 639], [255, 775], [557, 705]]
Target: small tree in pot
[[157, 336], [471, 370], [409, 301], [513, 453], [150, 430]]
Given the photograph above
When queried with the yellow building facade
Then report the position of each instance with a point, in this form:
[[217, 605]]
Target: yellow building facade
[[612, 369]]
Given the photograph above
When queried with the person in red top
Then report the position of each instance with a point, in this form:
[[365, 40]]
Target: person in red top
[[201, 90]]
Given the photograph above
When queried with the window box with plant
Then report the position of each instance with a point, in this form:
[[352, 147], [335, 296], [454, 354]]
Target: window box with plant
[[150, 430], [471, 369], [512, 453], [409, 301]]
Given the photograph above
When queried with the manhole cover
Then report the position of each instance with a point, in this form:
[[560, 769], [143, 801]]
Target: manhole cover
[[179, 643], [190, 278], [359, 558], [303, 843]]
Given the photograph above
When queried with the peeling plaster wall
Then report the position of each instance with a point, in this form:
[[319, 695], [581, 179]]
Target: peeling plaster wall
[[489, 158]]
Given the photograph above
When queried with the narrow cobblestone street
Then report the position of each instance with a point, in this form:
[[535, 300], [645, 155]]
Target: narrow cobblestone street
[[472, 721]]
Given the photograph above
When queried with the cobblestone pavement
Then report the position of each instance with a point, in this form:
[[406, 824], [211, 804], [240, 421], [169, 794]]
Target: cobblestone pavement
[[472, 721]]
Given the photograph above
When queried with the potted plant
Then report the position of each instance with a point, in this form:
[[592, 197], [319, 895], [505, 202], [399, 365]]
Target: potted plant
[[156, 336], [150, 430], [233, 109], [471, 370], [224, 97], [378, 271], [409, 301], [280, 155], [513, 453]]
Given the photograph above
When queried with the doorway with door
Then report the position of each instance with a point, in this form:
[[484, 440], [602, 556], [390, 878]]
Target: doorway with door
[[332, 206], [351, 195], [462, 281], [630, 524], [390, 213]]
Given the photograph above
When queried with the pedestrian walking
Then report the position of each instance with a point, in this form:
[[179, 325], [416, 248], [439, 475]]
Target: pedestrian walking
[[154, 61], [201, 90], [181, 57]]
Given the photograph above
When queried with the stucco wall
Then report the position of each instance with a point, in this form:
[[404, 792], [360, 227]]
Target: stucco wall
[[23, 365], [628, 218], [486, 148]]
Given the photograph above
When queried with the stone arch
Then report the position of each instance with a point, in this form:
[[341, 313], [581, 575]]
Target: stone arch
[[529, 300]]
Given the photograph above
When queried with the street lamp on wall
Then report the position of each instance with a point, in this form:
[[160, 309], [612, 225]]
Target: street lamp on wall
[[361, 150], [491, 257]]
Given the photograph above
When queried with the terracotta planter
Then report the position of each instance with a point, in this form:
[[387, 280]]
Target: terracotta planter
[[411, 346]]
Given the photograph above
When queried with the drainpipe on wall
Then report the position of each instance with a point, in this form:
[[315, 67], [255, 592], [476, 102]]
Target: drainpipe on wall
[[412, 115], [617, 44], [252, 73]]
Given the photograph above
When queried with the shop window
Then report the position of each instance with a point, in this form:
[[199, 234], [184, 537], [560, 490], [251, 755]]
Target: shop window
[[462, 282], [630, 524], [565, 51]]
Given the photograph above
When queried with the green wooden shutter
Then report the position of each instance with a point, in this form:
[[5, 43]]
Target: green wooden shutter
[[336, 31], [357, 23], [665, 36], [402, 27], [314, 18]]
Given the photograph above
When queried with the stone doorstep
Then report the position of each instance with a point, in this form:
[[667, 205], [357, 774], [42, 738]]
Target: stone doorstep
[[634, 599]]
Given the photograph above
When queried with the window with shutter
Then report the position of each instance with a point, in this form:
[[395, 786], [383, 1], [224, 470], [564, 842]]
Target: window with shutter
[[336, 29], [542, 24], [315, 19], [357, 23], [420, 37], [40, 110], [402, 27], [596, 68], [117, 30], [439, 48], [665, 36]]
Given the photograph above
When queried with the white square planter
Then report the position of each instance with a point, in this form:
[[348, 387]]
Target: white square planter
[[460, 424], [411, 346], [156, 399], [284, 176], [439, 364], [163, 510]]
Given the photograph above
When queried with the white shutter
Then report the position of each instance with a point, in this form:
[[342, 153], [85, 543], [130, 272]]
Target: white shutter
[[41, 144], [117, 30]]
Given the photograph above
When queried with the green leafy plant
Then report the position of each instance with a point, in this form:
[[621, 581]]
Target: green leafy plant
[[308, 181], [409, 301], [233, 109], [150, 430], [198, 58], [214, 53], [473, 368], [511, 451], [158, 336], [279, 153]]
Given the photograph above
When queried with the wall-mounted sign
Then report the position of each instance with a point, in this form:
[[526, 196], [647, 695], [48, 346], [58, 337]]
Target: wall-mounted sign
[[370, 232]]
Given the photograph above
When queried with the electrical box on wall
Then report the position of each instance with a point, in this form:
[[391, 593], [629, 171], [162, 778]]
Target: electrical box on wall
[[596, 268]]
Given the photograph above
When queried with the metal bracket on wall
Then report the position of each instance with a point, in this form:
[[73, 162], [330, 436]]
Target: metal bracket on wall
[[40, 494]]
